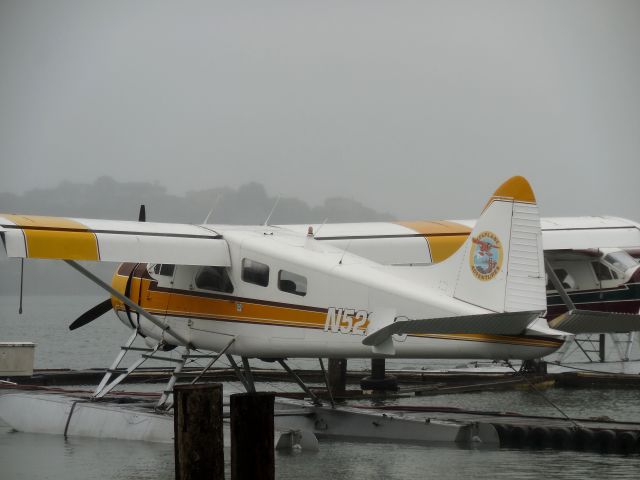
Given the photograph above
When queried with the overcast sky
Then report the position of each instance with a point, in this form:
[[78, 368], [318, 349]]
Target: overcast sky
[[420, 109]]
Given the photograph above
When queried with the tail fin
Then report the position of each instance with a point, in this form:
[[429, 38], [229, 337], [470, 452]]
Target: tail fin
[[500, 266]]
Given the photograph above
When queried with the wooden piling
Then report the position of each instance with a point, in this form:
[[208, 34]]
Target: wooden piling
[[338, 375], [198, 433], [252, 448], [378, 370], [379, 380]]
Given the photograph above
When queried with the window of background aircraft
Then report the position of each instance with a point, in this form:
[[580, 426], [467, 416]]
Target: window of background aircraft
[[214, 278], [602, 271], [255, 272], [565, 278], [292, 283], [165, 269]]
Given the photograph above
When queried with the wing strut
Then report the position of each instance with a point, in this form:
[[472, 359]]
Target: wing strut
[[558, 285], [133, 305]]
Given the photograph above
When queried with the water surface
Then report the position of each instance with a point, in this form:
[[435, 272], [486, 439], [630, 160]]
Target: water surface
[[34, 457]]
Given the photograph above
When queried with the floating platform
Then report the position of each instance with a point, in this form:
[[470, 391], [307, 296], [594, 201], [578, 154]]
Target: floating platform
[[130, 419], [538, 432], [133, 418], [71, 413]]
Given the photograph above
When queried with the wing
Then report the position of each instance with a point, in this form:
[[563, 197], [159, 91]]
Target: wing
[[582, 233], [28, 236], [579, 233]]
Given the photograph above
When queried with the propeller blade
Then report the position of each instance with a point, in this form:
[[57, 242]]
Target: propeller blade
[[91, 315], [142, 216]]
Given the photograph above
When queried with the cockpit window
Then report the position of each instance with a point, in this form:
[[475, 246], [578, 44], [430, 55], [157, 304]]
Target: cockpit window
[[165, 269], [292, 283], [214, 278], [255, 272], [621, 260]]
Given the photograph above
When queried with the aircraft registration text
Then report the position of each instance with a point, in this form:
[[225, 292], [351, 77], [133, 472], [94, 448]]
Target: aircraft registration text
[[346, 320]]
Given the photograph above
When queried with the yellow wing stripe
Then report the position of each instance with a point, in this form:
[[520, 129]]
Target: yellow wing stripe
[[56, 238], [444, 237], [442, 227], [443, 247]]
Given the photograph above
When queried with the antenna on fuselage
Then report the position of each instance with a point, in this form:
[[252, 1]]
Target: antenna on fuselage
[[322, 225], [213, 207], [345, 251], [266, 222]]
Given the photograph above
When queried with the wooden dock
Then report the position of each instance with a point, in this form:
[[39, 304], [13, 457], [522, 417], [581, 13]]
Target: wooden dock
[[409, 381]]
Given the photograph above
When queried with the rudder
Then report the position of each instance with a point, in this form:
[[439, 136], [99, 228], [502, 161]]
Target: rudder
[[500, 266]]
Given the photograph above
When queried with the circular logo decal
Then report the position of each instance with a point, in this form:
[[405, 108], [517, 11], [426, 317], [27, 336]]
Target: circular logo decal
[[485, 257]]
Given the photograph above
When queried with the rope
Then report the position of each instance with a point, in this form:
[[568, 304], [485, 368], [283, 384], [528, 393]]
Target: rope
[[581, 369], [547, 399], [73, 407]]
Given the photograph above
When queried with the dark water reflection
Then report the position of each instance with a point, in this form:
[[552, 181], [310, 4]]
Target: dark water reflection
[[35, 457], [356, 461]]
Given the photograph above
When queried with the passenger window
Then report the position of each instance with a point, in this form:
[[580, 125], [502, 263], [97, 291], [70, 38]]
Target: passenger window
[[292, 283], [214, 278], [165, 269], [602, 271], [255, 272]]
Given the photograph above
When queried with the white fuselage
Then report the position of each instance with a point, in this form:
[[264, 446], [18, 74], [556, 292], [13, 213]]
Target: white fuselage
[[329, 320]]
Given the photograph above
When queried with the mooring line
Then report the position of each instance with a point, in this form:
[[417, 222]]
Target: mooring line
[[547, 399], [587, 370], [73, 407]]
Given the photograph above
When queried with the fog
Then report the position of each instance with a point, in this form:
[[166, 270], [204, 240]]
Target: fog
[[420, 109]]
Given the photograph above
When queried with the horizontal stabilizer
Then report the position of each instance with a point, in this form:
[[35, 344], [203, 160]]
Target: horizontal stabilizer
[[510, 323], [588, 321]]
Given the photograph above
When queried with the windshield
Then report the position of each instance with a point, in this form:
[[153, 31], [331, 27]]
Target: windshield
[[621, 260]]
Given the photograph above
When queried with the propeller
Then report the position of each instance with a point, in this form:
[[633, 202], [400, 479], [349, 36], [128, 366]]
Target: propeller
[[92, 314], [103, 307]]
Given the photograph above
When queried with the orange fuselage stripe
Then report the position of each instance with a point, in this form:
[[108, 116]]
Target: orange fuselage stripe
[[183, 304]]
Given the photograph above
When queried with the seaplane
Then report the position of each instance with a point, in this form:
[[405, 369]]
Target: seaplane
[[473, 290]]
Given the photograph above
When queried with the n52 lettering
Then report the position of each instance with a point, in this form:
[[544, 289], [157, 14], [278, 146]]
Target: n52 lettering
[[346, 320]]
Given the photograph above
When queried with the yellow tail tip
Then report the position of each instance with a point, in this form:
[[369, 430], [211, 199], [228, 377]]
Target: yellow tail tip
[[516, 188]]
